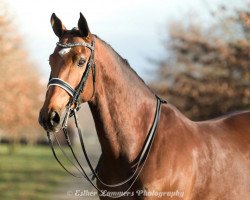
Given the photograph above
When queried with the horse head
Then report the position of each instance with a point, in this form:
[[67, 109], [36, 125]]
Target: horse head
[[70, 63]]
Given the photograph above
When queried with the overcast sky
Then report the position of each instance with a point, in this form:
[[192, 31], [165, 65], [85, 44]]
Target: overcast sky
[[134, 28]]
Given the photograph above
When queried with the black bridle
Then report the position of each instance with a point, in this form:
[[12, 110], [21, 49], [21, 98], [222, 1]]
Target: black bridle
[[71, 110], [75, 94]]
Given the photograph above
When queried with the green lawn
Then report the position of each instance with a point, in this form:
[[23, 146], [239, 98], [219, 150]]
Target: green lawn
[[30, 173]]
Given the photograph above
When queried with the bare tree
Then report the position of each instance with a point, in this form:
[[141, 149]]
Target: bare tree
[[208, 72]]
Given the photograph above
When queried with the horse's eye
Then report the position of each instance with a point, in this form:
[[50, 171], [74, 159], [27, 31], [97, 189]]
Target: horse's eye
[[81, 62]]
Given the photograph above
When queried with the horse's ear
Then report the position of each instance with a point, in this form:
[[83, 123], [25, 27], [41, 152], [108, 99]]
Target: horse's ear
[[57, 25], [83, 26]]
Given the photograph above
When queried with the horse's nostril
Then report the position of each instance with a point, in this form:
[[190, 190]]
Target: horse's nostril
[[54, 119]]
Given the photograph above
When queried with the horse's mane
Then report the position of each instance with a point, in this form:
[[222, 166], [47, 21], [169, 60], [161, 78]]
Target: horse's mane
[[120, 58]]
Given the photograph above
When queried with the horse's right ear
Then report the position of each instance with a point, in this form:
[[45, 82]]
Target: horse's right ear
[[57, 25], [83, 26]]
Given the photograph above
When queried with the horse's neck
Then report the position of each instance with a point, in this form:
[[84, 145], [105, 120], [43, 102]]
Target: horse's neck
[[123, 106]]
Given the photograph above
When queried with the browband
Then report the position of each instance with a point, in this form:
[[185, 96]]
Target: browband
[[69, 45]]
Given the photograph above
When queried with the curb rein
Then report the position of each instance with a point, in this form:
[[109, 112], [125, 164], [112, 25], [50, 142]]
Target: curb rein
[[75, 101]]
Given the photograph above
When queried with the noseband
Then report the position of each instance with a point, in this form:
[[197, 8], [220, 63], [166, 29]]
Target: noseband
[[73, 107]]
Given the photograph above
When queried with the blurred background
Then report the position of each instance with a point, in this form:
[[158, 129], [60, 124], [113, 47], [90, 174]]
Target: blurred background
[[194, 53]]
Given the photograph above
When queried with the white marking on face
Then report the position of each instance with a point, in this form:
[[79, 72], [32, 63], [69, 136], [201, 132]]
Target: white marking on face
[[64, 51]]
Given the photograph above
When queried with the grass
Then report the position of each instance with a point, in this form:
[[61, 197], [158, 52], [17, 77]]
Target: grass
[[31, 173]]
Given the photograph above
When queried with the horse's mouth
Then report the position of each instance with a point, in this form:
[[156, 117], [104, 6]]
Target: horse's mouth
[[52, 129]]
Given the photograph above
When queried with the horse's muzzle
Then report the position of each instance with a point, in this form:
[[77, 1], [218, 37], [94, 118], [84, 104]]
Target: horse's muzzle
[[51, 122]]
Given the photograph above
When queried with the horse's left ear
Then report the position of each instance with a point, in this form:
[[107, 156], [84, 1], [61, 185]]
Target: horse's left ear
[[83, 26]]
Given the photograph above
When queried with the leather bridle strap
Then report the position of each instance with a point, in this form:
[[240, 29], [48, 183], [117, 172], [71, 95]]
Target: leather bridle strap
[[64, 85], [142, 157], [76, 93], [70, 45], [64, 153]]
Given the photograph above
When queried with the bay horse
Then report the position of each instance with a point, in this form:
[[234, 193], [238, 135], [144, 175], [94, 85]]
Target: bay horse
[[188, 160]]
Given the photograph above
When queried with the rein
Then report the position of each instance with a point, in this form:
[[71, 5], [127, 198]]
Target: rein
[[75, 100]]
